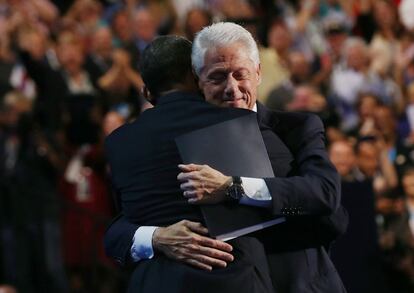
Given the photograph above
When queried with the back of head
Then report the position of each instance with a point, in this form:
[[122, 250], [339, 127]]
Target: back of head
[[165, 62], [222, 34]]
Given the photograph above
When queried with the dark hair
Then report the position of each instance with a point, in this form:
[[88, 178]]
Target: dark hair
[[371, 139], [408, 170], [165, 62], [363, 95]]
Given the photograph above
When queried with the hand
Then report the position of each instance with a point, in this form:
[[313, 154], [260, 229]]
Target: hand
[[183, 242], [202, 184]]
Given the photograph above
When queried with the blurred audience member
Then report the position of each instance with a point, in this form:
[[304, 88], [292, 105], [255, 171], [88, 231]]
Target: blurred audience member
[[121, 28], [374, 164], [99, 58], [145, 28], [384, 42], [403, 59], [363, 272], [336, 33], [397, 237], [56, 86], [84, 16], [342, 155], [121, 84], [366, 107], [399, 152], [351, 78], [30, 164], [195, 20], [306, 99], [274, 59], [299, 71]]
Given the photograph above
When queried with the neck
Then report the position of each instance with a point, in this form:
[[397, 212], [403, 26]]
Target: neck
[[188, 85], [176, 90]]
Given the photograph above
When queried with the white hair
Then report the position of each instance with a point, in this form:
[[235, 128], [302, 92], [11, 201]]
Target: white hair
[[354, 42], [218, 35]]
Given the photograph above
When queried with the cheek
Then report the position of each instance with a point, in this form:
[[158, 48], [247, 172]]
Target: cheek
[[250, 88], [213, 93]]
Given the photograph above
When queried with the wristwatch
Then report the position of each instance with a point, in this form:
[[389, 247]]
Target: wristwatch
[[235, 191]]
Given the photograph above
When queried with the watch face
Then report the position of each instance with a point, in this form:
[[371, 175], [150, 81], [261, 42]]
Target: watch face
[[236, 191]]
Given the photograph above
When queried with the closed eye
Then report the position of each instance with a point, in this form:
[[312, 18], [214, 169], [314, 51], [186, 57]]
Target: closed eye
[[241, 74], [217, 77]]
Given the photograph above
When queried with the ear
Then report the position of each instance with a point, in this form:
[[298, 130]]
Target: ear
[[147, 95], [259, 74]]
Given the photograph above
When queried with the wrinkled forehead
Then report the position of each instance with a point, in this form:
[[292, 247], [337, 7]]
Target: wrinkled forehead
[[225, 56]]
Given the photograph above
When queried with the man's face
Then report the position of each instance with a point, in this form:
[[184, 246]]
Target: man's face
[[408, 184], [367, 158], [229, 77], [342, 156]]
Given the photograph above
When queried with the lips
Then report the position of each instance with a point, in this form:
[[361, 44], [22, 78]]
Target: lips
[[239, 103]]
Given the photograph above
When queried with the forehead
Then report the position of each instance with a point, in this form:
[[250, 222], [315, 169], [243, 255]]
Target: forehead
[[367, 148], [408, 179], [227, 56], [341, 147]]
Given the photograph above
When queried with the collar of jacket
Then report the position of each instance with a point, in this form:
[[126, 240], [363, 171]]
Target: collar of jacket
[[178, 96], [266, 117]]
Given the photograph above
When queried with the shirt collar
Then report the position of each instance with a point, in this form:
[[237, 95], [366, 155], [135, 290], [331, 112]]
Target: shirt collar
[[255, 108]]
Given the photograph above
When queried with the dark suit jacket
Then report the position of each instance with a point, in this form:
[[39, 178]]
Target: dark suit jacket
[[305, 188], [144, 163]]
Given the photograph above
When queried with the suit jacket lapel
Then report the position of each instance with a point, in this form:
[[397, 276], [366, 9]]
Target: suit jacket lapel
[[279, 154], [266, 118]]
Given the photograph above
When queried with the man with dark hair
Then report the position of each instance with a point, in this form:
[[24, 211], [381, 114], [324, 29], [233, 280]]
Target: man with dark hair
[[144, 163]]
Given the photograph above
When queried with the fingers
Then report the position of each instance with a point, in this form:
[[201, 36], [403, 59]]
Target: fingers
[[184, 176], [189, 185], [196, 227], [190, 167], [218, 255], [204, 259], [192, 196], [217, 244], [184, 242], [196, 197], [197, 264]]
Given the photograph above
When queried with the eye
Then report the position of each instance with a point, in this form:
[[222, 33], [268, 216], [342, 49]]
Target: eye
[[241, 74], [217, 77]]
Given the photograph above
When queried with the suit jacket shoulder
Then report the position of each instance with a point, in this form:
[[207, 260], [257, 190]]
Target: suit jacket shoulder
[[295, 124]]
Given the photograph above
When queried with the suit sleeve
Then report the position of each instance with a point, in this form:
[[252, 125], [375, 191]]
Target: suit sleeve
[[120, 233], [118, 239], [315, 188]]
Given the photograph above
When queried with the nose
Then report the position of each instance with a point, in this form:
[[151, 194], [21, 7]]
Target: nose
[[231, 88]]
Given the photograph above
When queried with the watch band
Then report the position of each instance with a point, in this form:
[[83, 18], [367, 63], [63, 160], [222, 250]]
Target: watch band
[[235, 191], [237, 180]]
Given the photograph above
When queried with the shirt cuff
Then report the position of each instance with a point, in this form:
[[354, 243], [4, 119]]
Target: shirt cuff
[[256, 192], [142, 243]]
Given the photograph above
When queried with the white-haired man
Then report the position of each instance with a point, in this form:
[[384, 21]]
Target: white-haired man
[[306, 188]]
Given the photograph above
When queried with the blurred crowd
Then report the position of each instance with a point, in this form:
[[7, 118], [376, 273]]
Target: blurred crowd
[[69, 76]]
